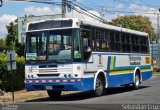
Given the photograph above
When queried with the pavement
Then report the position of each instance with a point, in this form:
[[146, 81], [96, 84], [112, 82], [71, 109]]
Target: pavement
[[148, 95]]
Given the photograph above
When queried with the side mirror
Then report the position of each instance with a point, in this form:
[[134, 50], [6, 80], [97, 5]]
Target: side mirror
[[88, 50]]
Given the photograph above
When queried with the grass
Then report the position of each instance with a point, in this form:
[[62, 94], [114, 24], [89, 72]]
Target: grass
[[22, 96]]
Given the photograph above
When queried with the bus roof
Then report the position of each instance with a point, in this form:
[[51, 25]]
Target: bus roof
[[100, 25], [111, 27]]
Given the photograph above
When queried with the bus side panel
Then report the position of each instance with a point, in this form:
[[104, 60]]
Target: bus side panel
[[146, 75], [120, 70], [121, 79], [88, 84]]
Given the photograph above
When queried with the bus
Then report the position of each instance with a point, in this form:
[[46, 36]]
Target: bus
[[70, 54]]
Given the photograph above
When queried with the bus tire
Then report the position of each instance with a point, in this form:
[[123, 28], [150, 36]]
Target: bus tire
[[137, 81], [99, 87], [54, 94]]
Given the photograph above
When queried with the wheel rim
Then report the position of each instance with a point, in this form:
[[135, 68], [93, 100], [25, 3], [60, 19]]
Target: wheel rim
[[137, 81], [99, 86]]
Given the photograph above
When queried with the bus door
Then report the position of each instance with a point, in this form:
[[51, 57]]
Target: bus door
[[87, 56], [86, 45]]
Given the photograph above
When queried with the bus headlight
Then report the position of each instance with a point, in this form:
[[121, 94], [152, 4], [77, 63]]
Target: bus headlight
[[28, 76], [30, 69], [65, 76], [76, 75], [78, 68], [70, 76]]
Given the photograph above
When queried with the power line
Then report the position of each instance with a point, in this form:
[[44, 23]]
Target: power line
[[143, 4], [101, 9], [79, 3], [126, 3], [136, 3], [92, 3], [147, 4], [64, 3], [133, 2], [88, 13], [35, 1]]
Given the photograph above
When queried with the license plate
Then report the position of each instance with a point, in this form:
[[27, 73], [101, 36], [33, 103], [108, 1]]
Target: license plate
[[49, 87]]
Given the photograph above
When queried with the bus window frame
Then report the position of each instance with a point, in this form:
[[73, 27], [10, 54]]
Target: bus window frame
[[81, 39], [105, 32]]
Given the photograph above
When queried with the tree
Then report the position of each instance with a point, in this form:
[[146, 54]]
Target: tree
[[2, 43], [12, 38], [135, 22]]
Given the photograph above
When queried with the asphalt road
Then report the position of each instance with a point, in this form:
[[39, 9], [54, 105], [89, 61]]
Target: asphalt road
[[149, 93]]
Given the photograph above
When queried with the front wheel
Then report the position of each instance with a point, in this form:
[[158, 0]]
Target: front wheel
[[99, 89], [54, 94]]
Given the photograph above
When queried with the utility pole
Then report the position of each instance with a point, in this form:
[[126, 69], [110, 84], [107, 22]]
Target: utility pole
[[158, 36], [1, 3], [64, 3]]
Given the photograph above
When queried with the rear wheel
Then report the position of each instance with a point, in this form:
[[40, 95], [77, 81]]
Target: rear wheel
[[137, 81], [134, 85], [54, 94], [99, 89]]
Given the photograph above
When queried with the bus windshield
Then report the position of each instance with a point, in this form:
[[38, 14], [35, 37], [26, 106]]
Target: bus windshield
[[53, 45]]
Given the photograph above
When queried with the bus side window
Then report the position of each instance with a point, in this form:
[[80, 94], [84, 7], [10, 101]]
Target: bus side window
[[123, 37], [147, 45], [143, 44], [128, 43], [86, 44], [107, 40], [77, 50], [98, 36], [135, 43], [117, 41], [112, 39], [125, 40]]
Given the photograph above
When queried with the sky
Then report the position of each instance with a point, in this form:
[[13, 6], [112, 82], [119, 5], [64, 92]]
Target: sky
[[107, 9]]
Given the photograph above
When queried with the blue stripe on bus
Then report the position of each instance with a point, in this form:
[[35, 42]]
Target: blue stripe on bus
[[122, 79], [146, 75], [109, 61]]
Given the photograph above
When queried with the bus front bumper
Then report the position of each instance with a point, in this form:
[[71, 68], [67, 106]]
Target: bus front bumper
[[59, 84]]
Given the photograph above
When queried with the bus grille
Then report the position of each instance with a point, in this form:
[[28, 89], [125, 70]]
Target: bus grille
[[53, 70]]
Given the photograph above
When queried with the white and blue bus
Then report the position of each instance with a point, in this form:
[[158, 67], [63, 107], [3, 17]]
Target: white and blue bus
[[69, 54]]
